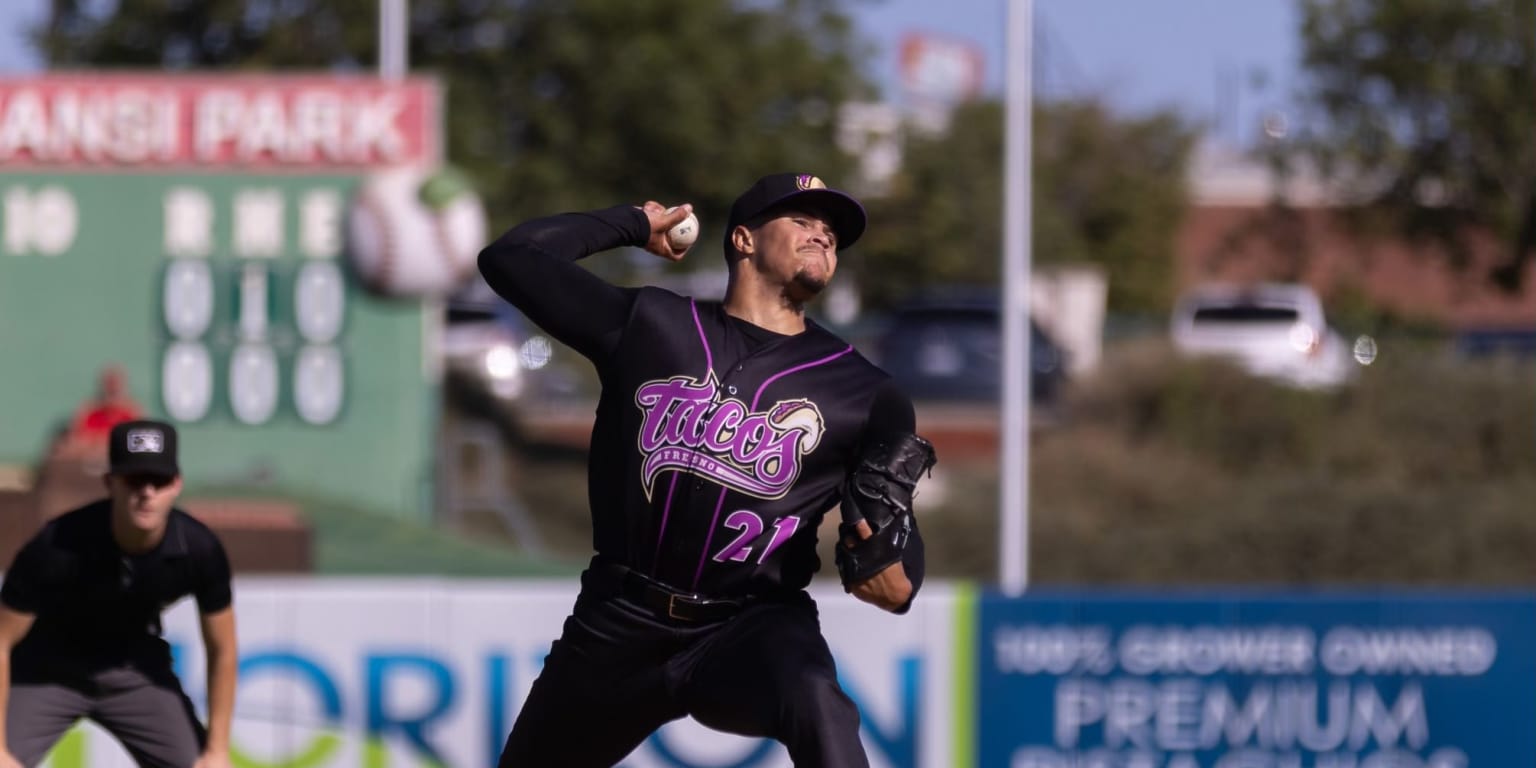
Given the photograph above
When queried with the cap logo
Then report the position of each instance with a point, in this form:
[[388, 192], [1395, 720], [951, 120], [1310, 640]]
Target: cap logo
[[146, 441], [806, 181]]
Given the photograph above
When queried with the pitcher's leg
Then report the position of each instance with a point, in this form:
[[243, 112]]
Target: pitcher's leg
[[770, 673], [599, 695]]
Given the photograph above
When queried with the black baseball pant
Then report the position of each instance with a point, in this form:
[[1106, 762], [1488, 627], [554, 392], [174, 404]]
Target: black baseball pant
[[618, 673]]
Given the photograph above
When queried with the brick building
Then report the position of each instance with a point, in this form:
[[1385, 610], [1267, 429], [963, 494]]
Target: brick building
[[1234, 231]]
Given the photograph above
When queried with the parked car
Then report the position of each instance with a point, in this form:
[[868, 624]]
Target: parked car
[[495, 346], [1272, 330], [950, 349], [477, 344]]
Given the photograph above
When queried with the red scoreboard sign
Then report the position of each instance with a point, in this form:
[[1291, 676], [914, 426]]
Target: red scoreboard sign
[[259, 123]]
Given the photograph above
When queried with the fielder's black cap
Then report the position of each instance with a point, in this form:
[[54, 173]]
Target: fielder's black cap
[[781, 189], [143, 448]]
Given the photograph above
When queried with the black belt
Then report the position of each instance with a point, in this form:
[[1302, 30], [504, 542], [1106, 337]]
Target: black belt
[[678, 606]]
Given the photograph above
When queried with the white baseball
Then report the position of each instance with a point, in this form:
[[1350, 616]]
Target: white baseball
[[399, 246], [685, 233]]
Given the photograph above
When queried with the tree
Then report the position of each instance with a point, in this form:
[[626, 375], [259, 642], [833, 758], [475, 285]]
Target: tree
[[252, 35], [1425, 110], [552, 104], [1107, 191]]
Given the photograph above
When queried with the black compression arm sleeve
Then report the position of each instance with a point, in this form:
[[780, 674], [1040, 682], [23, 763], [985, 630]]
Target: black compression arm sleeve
[[533, 266], [892, 415]]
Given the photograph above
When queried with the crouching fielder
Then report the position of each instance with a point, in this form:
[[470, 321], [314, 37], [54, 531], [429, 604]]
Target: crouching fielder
[[80, 618]]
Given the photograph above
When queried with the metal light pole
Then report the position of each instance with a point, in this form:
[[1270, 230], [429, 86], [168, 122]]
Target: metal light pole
[[1013, 472], [394, 39]]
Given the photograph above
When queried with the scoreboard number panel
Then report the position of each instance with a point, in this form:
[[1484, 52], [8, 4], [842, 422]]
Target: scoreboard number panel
[[253, 382], [187, 297], [243, 310], [42, 221], [319, 301], [186, 381], [318, 383]]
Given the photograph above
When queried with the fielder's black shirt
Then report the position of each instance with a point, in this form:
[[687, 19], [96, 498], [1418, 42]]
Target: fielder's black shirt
[[718, 445], [97, 607]]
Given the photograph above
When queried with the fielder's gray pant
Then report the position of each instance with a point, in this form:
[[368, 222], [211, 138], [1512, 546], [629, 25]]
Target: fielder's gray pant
[[154, 720]]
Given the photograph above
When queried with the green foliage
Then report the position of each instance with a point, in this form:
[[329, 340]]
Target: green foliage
[[552, 104], [253, 35], [942, 220], [1425, 108], [1107, 191], [1170, 472], [595, 101], [1111, 192]]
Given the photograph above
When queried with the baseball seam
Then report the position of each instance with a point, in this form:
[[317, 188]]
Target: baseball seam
[[384, 270], [444, 243]]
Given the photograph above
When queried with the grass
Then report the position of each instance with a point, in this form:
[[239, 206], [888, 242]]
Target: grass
[[1169, 472], [353, 541]]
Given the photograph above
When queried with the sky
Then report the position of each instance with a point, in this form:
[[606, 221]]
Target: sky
[[1221, 63]]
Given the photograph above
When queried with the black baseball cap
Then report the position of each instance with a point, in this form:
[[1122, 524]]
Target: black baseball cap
[[143, 448], [780, 189]]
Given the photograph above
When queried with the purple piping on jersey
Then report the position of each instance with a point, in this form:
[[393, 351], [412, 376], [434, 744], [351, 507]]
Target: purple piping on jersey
[[709, 537], [719, 504], [662, 531], [666, 510], [709, 357], [796, 369]]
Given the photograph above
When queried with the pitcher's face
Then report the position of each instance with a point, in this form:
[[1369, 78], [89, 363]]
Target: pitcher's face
[[798, 249]]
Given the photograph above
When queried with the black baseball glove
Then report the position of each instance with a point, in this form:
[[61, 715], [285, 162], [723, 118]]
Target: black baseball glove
[[880, 492]]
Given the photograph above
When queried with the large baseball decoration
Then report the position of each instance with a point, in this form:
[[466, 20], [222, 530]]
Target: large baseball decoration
[[415, 232]]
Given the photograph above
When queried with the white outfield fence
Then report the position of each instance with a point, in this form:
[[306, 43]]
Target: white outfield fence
[[423, 672], [387, 673]]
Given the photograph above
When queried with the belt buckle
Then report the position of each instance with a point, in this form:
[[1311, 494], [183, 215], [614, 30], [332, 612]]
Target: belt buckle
[[672, 607]]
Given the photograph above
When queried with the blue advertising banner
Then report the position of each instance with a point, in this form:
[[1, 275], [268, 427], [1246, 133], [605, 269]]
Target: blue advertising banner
[[1257, 680]]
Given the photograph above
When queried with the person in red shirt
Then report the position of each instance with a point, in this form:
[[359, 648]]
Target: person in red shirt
[[94, 419]]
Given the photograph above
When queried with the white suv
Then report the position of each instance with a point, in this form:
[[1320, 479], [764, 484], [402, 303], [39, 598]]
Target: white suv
[[1274, 330]]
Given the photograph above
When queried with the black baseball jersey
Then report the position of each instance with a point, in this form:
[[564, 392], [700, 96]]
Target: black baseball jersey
[[97, 607], [718, 446]]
